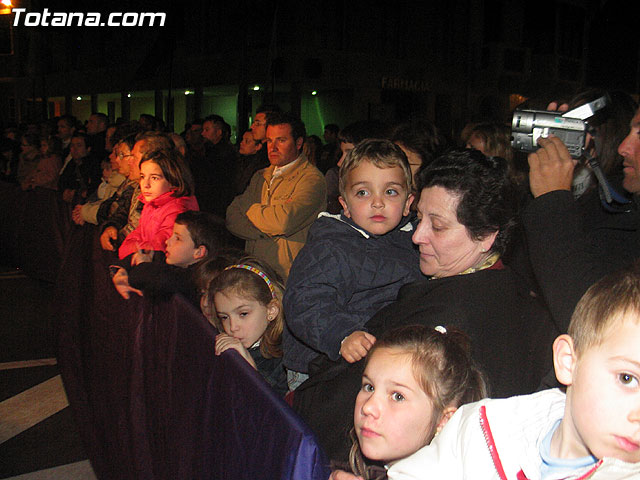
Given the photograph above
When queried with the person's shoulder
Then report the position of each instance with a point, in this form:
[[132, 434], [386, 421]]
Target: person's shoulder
[[308, 169]]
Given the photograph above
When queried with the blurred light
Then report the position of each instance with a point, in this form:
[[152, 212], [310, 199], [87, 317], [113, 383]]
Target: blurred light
[[128, 95], [78, 98], [256, 87], [189, 92], [6, 3], [314, 92]]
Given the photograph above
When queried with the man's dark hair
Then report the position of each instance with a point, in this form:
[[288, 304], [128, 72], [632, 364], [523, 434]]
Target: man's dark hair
[[219, 122], [84, 137], [102, 117], [297, 127]]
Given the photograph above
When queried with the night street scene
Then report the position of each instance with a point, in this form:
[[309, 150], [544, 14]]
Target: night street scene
[[322, 239]]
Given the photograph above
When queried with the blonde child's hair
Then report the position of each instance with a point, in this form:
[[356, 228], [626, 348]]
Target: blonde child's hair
[[379, 152], [265, 287], [603, 306], [443, 367]]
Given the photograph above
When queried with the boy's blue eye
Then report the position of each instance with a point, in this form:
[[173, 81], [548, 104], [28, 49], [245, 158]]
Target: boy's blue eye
[[361, 193], [367, 387], [391, 191], [398, 397]]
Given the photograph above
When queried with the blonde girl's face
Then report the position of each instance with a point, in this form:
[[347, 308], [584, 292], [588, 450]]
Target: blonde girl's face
[[393, 414], [242, 316], [152, 181]]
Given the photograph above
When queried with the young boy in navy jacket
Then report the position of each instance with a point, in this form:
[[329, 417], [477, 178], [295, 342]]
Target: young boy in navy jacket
[[353, 264]]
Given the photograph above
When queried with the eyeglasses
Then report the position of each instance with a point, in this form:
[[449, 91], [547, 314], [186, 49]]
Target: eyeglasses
[[122, 155], [258, 123]]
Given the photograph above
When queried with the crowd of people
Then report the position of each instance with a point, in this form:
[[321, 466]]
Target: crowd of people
[[389, 282]]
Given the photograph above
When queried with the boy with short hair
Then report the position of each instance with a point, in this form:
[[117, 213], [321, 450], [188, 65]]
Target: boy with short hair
[[196, 236], [353, 264], [591, 432]]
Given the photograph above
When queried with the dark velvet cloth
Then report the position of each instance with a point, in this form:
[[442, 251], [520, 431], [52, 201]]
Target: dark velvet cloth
[[34, 226], [151, 399]]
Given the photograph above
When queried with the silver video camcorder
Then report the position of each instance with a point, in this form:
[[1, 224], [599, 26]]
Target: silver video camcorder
[[571, 127]]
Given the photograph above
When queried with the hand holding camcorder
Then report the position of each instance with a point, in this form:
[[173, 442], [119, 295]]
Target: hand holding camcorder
[[528, 126]]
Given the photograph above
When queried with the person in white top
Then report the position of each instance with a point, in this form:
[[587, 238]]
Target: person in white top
[[591, 432]]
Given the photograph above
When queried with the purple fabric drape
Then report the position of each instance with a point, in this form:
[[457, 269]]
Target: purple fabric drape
[[151, 398]]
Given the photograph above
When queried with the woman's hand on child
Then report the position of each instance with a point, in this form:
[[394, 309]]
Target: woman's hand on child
[[121, 282], [356, 346], [342, 475], [225, 342], [110, 233]]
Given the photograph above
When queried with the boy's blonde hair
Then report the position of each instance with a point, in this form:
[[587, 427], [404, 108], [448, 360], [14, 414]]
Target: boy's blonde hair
[[246, 282], [382, 154], [603, 306]]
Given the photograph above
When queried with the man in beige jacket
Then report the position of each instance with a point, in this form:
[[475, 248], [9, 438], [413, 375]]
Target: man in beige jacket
[[281, 202]]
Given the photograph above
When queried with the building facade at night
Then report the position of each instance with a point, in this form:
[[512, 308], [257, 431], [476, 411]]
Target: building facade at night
[[330, 61]]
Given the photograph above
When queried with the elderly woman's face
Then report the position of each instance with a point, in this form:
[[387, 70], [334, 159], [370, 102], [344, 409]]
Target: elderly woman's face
[[446, 249]]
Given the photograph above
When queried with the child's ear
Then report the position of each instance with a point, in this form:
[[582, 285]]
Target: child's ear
[[344, 206], [273, 309], [564, 359], [447, 413], [200, 252], [407, 204]]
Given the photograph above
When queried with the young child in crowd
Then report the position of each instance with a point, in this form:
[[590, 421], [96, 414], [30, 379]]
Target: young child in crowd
[[414, 380], [591, 432], [247, 298], [353, 264], [196, 236], [111, 181], [166, 187]]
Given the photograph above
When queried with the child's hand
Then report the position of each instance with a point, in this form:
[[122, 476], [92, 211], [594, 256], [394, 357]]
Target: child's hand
[[76, 215], [110, 233], [225, 342], [121, 282], [342, 475], [356, 346], [141, 256]]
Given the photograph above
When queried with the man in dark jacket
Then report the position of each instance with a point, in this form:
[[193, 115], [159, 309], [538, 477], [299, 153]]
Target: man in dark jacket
[[566, 255]]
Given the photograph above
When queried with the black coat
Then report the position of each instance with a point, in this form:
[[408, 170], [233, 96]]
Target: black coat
[[573, 244], [510, 330]]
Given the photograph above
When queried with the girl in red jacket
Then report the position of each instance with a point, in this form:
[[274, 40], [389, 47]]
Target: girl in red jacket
[[166, 187]]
